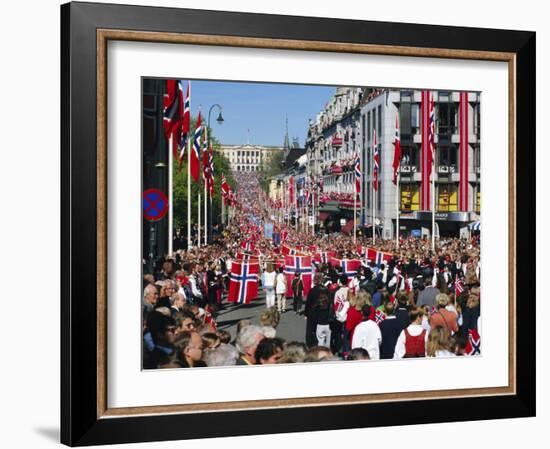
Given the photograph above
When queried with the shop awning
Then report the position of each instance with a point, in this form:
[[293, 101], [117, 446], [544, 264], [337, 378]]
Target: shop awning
[[475, 226], [348, 227]]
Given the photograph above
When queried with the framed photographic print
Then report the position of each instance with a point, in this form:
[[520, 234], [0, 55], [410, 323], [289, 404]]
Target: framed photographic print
[[274, 223]]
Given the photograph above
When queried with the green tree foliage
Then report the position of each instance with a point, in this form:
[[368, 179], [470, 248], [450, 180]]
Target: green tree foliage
[[271, 168], [221, 166]]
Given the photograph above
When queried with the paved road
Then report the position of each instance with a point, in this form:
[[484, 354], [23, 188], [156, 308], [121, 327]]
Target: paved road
[[292, 327]]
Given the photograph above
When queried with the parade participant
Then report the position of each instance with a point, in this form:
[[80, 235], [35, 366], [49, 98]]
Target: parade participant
[[412, 340], [355, 314], [312, 298], [426, 296], [367, 335], [297, 292], [280, 290], [268, 281], [321, 316]]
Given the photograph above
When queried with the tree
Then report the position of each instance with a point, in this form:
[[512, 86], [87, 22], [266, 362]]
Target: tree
[[273, 167], [221, 166]]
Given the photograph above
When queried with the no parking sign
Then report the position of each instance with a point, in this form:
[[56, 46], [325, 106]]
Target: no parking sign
[[155, 204]]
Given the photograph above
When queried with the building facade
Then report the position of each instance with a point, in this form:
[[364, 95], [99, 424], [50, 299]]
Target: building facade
[[249, 158], [346, 128]]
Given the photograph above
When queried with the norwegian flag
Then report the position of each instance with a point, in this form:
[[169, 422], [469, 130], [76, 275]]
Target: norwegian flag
[[211, 165], [243, 282], [379, 316], [349, 266], [459, 286], [378, 257], [242, 257], [172, 112], [397, 150], [302, 265], [288, 251], [376, 163], [473, 347], [358, 174], [225, 190], [205, 157], [324, 257], [195, 153], [361, 250], [291, 190], [248, 246], [186, 123], [284, 235]]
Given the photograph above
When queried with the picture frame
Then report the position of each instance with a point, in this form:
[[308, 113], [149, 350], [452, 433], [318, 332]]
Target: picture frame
[[86, 28]]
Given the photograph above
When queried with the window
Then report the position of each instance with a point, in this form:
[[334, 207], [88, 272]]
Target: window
[[478, 199], [447, 156], [448, 197], [379, 128], [410, 196], [477, 119], [368, 130], [446, 114], [410, 156]]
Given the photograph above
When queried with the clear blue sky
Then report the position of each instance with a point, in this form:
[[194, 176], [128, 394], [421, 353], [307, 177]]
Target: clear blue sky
[[259, 107]]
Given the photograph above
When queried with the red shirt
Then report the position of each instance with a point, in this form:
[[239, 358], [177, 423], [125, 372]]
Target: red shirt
[[353, 319]]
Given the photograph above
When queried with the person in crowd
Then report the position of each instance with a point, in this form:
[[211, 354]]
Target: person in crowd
[[294, 352], [402, 311], [412, 340], [158, 341], [390, 329], [439, 342], [223, 355], [321, 316], [188, 349], [367, 335], [427, 295], [441, 316], [358, 354], [150, 298], [177, 302], [355, 314], [247, 342], [318, 354], [312, 298], [471, 312], [269, 351]]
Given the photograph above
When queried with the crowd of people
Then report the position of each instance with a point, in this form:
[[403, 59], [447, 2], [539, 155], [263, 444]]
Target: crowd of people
[[417, 304]]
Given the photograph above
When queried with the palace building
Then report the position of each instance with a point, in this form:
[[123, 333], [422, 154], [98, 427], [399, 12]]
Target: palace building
[[248, 158]]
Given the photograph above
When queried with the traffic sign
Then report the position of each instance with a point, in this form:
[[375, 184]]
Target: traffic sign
[[155, 204]]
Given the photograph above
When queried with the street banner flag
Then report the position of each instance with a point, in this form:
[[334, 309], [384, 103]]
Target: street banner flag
[[397, 150], [195, 153], [349, 266], [428, 146], [225, 190], [184, 135], [302, 265], [288, 251], [459, 286], [243, 282], [291, 190], [358, 174], [205, 159], [376, 163], [378, 257], [312, 249], [172, 113], [324, 257], [211, 165]]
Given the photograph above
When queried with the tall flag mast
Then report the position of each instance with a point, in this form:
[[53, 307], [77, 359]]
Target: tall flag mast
[[396, 164]]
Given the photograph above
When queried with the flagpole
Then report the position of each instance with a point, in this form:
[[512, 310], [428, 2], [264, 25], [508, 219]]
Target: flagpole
[[205, 214], [433, 205], [397, 209], [189, 243], [374, 218], [199, 221], [355, 217], [170, 196]]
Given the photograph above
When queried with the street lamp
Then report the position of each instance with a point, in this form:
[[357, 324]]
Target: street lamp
[[208, 224]]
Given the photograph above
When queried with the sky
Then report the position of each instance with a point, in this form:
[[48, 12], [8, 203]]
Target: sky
[[259, 109]]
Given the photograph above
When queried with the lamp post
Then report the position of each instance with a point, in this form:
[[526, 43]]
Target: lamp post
[[208, 204]]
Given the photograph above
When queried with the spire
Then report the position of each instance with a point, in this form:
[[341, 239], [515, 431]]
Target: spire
[[286, 145]]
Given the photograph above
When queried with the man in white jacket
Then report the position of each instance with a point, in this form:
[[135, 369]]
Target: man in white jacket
[[367, 335]]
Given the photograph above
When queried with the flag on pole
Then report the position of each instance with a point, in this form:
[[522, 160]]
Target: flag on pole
[[184, 135], [379, 316], [358, 174], [397, 150], [205, 158], [459, 286], [225, 189], [291, 190], [473, 347], [195, 153], [324, 257], [172, 112], [243, 282], [376, 163], [211, 164], [298, 264]]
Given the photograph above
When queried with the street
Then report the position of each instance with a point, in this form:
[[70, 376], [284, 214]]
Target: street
[[291, 326]]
